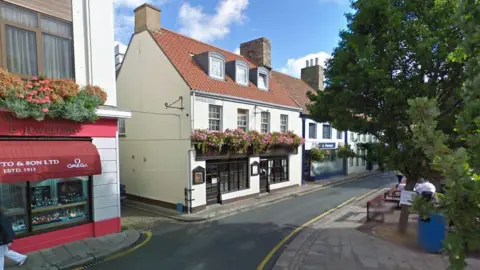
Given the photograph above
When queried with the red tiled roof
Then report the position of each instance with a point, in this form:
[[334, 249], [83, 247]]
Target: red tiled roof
[[297, 88], [179, 49]]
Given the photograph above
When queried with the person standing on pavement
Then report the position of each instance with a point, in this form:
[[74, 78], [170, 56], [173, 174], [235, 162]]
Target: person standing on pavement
[[6, 239], [399, 176]]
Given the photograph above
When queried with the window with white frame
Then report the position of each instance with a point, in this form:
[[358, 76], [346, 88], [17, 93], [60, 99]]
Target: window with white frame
[[263, 81], [242, 75], [283, 123], [242, 119], [352, 136], [312, 130], [327, 131], [339, 134], [217, 68], [265, 122], [121, 127], [364, 137], [214, 117]]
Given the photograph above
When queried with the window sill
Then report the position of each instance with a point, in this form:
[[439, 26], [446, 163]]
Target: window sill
[[279, 182], [233, 191]]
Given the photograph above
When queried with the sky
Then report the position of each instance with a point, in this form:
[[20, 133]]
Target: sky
[[298, 29]]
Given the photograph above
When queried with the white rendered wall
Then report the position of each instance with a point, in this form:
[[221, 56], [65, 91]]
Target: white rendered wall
[[93, 36], [105, 186]]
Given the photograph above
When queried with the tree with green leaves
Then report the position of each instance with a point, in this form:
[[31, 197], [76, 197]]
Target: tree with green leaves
[[393, 51], [457, 155]]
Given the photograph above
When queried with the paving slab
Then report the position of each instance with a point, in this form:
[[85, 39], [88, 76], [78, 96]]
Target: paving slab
[[337, 244], [80, 252]]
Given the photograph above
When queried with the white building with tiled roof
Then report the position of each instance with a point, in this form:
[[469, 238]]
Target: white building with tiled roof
[[175, 86]]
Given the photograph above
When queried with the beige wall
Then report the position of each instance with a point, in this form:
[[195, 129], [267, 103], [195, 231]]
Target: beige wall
[[58, 8], [154, 152]]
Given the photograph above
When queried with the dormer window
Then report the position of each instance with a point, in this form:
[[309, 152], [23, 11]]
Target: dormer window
[[242, 75], [262, 81], [239, 70], [260, 76], [213, 63], [216, 68]]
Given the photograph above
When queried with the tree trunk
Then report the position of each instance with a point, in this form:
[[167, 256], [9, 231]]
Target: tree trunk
[[403, 221]]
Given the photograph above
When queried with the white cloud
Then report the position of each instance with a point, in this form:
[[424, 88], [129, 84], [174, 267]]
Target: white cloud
[[237, 51], [294, 66], [209, 27]]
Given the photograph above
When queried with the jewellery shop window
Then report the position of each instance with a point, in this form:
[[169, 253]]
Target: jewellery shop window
[[54, 203]]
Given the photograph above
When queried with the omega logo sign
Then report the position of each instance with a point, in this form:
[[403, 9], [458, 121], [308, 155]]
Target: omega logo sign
[[77, 163]]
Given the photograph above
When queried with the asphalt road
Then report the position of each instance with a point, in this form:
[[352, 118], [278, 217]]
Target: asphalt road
[[239, 241]]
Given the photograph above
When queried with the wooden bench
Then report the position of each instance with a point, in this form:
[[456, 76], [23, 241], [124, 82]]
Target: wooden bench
[[377, 207], [393, 195]]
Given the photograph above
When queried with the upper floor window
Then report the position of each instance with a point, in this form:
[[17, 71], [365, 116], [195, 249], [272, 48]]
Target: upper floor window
[[283, 123], [327, 131], [312, 130], [216, 68], [352, 136], [242, 119], [265, 122], [214, 117], [339, 134], [242, 75], [364, 137], [262, 81], [121, 127], [36, 44]]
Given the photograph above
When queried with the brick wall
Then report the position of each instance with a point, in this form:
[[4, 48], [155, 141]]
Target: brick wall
[[57, 8]]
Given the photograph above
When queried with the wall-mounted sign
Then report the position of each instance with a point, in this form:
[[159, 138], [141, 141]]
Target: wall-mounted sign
[[198, 175], [327, 145], [254, 168], [208, 100]]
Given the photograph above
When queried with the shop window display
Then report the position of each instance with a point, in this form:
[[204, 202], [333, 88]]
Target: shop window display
[[52, 203], [13, 201]]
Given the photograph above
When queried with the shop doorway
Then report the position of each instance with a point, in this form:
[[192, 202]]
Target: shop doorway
[[264, 176], [211, 184]]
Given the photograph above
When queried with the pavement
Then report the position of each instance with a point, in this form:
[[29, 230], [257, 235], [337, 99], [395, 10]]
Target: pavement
[[334, 242], [135, 213], [79, 253], [239, 241]]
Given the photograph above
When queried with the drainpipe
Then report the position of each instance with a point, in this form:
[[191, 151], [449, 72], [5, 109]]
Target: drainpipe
[[345, 162], [303, 149], [189, 155]]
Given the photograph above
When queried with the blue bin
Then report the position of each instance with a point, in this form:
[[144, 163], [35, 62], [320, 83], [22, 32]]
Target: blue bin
[[432, 233], [179, 207]]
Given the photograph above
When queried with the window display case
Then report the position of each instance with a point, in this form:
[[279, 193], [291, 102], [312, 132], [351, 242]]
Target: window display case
[[12, 201], [59, 202], [52, 203]]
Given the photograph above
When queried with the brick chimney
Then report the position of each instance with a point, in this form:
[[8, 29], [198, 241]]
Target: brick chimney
[[147, 17], [312, 74], [258, 50]]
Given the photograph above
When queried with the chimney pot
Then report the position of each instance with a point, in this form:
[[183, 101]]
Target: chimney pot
[[316, 61], [311, 62], [306, 65], [147, 17]]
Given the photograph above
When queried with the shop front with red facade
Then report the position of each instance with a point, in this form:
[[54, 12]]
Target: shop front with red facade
[[59, 180]]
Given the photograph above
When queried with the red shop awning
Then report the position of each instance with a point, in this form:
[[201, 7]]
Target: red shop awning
[[40, 160]]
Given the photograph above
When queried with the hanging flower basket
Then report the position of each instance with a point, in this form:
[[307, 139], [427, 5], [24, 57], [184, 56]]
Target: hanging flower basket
[[240, 143]]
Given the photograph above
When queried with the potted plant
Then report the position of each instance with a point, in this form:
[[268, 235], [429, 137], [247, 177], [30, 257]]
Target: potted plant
[[317, 154]]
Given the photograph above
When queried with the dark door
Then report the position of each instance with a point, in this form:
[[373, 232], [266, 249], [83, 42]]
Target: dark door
[[211, 184], [263, 176]]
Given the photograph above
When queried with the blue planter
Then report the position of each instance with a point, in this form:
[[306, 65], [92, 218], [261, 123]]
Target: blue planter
[[431, 233]]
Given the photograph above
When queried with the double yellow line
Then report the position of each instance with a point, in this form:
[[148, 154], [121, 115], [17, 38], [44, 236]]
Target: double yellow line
[[280, 244], [125, 252]]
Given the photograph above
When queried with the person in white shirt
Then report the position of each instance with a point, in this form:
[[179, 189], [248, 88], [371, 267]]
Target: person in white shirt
[[426, 189]]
